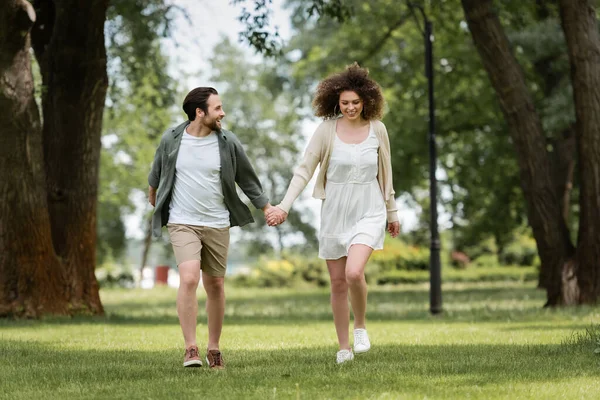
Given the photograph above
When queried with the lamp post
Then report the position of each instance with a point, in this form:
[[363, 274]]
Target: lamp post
[[435, 274]]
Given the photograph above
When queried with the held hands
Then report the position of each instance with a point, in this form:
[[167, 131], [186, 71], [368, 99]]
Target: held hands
[[393, 228], [274, 215]]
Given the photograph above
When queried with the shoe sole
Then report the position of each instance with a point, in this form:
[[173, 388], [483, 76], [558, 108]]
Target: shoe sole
[[192, 364], [361, 352]]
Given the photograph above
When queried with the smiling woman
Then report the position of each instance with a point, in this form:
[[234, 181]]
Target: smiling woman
[[355, 184]]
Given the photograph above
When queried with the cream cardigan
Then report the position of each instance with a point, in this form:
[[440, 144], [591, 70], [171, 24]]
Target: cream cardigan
[[319, 151]]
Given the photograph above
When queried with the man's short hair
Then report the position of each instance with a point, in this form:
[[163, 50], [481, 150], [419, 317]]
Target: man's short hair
[[197, 98]]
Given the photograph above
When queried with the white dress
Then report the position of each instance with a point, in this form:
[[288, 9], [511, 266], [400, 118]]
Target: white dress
[[353, 211]]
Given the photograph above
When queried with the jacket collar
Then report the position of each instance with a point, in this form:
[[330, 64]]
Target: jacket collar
[[178, 130]]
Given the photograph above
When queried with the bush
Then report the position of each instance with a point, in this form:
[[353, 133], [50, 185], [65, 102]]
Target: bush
[[487, 247], [490, 274], [397, 255], [111, 275], [521, 251], [295, 270], [288, 272], [486, 260]]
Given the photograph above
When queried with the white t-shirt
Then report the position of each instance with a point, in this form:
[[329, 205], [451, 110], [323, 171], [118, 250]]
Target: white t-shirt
[[197, 197]]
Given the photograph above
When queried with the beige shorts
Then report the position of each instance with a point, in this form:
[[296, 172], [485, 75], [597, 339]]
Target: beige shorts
[[202, 243]]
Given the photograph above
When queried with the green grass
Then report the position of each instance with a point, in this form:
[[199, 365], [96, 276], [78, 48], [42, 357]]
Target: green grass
[[493, 341]]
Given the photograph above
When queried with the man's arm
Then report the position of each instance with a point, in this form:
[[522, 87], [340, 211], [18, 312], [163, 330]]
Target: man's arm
[[152, 195], [248, 181]]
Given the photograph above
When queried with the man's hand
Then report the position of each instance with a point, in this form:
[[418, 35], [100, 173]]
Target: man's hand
[[394, 228], [152, 195], [274, 215]]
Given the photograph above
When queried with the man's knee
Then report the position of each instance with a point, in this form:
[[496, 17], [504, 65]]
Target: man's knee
[[189, 274], [213, 284]]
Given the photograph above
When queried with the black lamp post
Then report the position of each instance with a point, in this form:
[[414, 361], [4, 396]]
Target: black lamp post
[[435, 274]]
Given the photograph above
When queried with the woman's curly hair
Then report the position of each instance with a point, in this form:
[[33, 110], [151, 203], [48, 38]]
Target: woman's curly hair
[[355, 79]]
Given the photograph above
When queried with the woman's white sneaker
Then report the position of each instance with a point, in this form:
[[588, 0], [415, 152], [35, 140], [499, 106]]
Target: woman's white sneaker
[[361, 341], [343, 356]]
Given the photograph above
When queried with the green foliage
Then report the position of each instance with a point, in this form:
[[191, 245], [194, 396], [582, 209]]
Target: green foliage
[[111, 232], [139, 101], [397, 255], [397, 263], [265, 39], [263, 113], [111, 275], [484, 247], [486, 260], [291, 271], [483, 274], [521, 251]]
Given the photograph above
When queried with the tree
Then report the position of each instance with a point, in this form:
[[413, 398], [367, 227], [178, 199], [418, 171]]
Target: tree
[[479, 149], [49, 165], [571, 275], [580, 25], [49, 171]]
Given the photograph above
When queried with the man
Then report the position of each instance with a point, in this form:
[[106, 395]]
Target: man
[[195, 169]]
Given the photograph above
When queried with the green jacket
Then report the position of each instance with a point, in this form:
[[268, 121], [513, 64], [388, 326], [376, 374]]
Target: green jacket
[[235, 168]]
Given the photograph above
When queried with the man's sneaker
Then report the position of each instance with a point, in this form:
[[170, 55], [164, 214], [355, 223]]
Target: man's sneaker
[[361, 341], [192, 357], [343, 356], [214, 359]]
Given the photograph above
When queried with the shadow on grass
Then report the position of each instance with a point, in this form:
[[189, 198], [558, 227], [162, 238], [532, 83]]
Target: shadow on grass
[[385, 369]]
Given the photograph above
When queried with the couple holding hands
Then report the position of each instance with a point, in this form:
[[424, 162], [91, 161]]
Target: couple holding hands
[[197, 166]]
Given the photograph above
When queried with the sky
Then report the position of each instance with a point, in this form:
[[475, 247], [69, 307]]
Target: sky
[[189, 50], [210, 22]]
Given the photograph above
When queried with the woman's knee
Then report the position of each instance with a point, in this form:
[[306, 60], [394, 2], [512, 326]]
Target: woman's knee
[[339, 285], [354, 276]]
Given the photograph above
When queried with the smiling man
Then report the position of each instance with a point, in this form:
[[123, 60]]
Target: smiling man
[[193, 191]]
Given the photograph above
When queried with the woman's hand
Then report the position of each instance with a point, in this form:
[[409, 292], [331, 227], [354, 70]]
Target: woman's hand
[[275, 216], [394, 228]]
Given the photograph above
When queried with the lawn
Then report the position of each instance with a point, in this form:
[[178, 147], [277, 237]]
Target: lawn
[[493, 341]]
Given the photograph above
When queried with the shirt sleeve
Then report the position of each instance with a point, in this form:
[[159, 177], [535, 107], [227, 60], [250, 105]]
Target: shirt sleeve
[[390, 202], [304, 172], [247, 180], [154, 176]]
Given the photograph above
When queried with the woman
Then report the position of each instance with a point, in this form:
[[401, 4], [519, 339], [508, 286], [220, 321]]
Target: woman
[[355, 184]]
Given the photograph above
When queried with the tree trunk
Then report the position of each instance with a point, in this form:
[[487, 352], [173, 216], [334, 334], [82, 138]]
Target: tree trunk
[[48, 240], [564, 168], [73, 66], [543, 210], [31, 276], [580, 25]]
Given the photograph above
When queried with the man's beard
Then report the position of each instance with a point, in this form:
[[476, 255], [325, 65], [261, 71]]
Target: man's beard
[[213, 126]]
